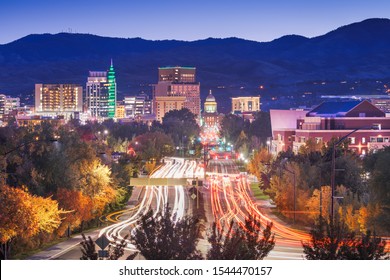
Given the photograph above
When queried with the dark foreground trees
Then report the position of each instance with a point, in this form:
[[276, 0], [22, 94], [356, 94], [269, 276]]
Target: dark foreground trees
[[163, 237], [248, 243], [116, 249], [334, 241]]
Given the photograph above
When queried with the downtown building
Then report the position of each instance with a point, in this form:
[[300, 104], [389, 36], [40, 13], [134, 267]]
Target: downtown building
[[176, 89], [8, 108], [53, 100], [210, 122], [210, 117], [291, 129], [137, 106], [246, 106], [101, 94]]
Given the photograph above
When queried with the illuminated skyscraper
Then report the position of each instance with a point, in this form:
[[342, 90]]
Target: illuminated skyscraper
[[176, 89], [58, 99], [111, 91], [101, 93]]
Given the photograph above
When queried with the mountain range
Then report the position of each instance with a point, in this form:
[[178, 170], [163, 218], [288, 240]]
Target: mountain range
[[287, 71]]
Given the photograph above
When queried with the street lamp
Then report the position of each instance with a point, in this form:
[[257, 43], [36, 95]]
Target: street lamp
[[333, 166]]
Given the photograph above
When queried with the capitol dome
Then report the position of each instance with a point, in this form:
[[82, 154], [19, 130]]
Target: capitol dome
[[210, 98]]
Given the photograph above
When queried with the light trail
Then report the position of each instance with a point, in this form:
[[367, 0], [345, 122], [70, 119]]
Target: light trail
[[231, 201], [155, 197]]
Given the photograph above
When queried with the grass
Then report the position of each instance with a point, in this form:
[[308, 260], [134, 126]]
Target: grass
[[257, 192], [25, 254]]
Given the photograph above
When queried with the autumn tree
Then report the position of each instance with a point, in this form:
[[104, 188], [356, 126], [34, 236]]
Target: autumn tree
[[78, 205], [377, 168], [247, 243], [23, 215], [260, 166], [162, 237], [319, 203]]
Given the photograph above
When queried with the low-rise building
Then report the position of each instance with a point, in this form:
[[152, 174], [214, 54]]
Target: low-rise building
[[245, 104], [291, 129]]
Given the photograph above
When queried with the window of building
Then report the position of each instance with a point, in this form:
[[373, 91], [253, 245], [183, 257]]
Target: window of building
[[363, 140], [318, 140], [373, 139], [352, 140]]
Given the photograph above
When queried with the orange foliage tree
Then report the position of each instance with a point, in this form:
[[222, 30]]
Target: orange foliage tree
[[260, 166], [319, 203], [78, 205], [23, 215]]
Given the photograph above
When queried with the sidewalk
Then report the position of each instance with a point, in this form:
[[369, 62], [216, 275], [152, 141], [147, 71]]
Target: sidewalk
[[62, 247]]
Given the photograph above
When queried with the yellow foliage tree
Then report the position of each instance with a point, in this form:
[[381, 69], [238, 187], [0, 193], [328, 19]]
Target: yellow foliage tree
[[315, 205], [23, 215], [259, 164]]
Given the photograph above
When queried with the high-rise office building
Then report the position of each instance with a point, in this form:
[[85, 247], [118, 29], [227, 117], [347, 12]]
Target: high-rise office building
[[137, 106], [176, 88], [177, 74], [111, 91], [101, 93], [2, 105], [58, 99]]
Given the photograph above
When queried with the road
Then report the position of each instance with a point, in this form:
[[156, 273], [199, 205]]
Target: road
[[231, 200], [155, 198], [226, 196]]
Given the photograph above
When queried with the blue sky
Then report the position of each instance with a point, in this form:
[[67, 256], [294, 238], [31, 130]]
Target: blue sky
[[259, 20]]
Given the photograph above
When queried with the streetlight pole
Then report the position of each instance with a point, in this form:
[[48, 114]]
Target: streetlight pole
[[333, 167], [205, 160]]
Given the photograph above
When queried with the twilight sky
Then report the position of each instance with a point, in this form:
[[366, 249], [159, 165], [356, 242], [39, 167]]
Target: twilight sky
[[259, 20]]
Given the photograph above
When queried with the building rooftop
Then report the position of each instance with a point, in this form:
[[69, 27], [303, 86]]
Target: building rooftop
[[332, 108]]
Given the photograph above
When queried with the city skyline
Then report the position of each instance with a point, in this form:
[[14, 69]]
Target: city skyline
[[183, 20]]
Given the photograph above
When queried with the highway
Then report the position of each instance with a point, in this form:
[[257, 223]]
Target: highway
[[154, 197], [231, 200], [227, 197]]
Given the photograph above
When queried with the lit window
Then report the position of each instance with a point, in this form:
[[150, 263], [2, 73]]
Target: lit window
[[363, 140]]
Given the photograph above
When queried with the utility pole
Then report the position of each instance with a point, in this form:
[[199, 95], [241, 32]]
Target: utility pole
[[333, 168]]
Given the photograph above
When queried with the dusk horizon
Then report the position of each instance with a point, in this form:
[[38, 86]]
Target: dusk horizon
[[197, 39], [258, 21]]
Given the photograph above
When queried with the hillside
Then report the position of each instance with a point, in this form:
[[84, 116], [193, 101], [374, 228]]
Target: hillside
[[357, 54]]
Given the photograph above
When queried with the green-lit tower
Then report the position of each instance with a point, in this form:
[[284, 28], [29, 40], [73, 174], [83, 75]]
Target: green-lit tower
[[111, 91]]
